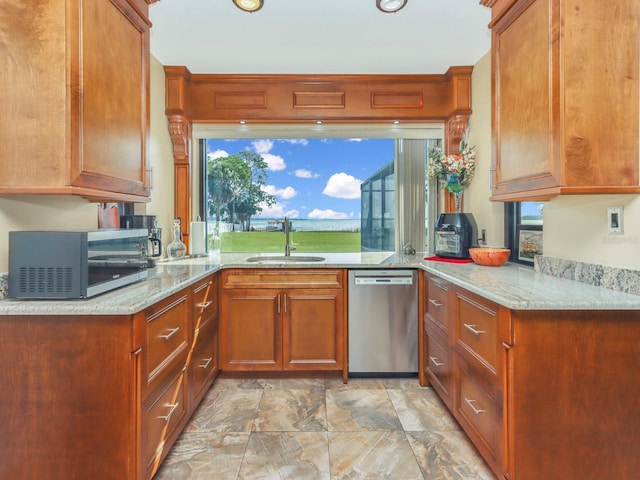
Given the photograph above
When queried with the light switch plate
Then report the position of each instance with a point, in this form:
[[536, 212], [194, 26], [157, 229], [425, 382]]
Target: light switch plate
[[614, 219]]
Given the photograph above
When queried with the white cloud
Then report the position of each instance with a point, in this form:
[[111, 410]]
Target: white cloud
[[296, 141], [262, 146], [302, 173], [277, 211], [274, 162], [284, 193], [217, 154], [354, 139], [342, 185], [327, 214]]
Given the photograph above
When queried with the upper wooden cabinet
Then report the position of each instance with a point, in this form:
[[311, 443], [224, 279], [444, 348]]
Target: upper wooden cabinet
[[75, 99], [565, 98]]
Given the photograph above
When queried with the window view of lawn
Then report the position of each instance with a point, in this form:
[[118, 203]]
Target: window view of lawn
[[305, 242]]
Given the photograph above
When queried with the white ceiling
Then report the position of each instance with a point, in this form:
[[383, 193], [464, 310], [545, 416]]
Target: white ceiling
[[319, 36]]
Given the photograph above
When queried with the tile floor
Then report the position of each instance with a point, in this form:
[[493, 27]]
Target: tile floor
[[317, 429]]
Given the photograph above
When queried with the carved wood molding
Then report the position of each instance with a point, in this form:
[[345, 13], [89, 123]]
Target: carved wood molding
[[180, 131], [352, 99], [210, 98]]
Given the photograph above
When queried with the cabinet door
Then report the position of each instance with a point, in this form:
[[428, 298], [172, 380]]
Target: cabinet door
[[313, 330], [112, 113], [251, 330], [525, 157]]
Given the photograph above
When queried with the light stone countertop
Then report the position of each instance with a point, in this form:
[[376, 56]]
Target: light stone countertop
[[513, 286], [521, 288]]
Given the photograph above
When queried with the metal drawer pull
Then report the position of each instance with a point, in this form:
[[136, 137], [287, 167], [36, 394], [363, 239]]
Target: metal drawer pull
[[205, 304], [477, 411], [171, 333], [435, 362], [168, 415], [435, 303], [278, 303], [472, 329], [207, 361]]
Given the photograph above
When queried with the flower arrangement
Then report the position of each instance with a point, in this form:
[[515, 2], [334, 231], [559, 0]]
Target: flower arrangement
[[455, 171]]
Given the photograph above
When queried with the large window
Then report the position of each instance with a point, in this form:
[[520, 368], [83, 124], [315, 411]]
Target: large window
[[338, 193]]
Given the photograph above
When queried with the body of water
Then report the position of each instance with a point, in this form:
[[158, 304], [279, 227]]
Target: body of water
[[306, 225]]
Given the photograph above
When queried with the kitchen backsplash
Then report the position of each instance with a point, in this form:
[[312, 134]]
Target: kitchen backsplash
[[614, 278], [4, 285]]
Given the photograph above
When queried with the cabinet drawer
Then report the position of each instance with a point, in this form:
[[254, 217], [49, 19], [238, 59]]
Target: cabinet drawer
[[478, 412], [167, 336], [205, 301], [282, 278], [438, 366], [477, 329], [204, 361], [160, 420], [437, 305]]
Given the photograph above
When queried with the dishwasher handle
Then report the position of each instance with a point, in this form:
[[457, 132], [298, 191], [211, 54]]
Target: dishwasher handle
[[383, 281]]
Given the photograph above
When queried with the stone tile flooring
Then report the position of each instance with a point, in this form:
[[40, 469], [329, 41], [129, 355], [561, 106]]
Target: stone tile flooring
[[317, 429]]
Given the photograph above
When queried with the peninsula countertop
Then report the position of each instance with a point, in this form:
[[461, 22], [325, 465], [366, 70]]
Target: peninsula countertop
[[511, 285]]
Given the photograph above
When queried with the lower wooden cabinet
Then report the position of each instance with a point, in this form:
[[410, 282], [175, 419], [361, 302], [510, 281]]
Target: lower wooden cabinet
[[541, 394], [104, 396], [294, 321]]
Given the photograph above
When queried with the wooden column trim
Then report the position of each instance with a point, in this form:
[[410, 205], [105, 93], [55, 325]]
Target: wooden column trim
[[180, 130]]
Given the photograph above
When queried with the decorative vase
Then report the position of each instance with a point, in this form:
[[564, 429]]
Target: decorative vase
[[176, 249], [457, 201]]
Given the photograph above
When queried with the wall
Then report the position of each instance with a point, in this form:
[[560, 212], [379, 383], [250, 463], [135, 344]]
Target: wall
[[575, 228], [488, 215], [161, 155], [36, 212]]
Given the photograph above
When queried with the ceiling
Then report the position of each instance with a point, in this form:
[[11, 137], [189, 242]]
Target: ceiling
[[319, 36]]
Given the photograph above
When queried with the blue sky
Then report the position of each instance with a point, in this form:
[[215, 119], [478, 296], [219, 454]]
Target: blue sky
[[313, 178]]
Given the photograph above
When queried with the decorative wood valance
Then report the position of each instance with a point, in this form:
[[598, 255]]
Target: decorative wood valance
[[348, 99]]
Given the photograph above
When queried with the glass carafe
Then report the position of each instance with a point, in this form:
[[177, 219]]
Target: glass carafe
[[176, 249]]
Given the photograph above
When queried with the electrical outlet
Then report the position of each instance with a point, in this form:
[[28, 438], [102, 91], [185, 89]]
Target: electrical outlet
[[614, 219]]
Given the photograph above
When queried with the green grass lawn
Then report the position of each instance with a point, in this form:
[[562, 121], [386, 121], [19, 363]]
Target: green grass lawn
[[305, 242]]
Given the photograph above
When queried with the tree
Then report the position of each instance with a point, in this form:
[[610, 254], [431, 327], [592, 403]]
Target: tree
[[227, 177], [237, 182]]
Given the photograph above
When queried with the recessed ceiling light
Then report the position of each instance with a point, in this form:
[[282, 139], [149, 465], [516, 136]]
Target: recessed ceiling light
[[319, 122], [242, 122], [249, 5], [390, 6], [396, 122]]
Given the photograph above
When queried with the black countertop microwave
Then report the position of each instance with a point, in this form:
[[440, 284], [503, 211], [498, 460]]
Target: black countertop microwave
[[67, 265]]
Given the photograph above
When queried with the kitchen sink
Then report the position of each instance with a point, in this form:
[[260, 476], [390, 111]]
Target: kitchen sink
[[284, 259]]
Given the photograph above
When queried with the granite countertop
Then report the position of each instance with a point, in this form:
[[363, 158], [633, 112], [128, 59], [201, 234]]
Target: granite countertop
[[513, 286], [521, 288]]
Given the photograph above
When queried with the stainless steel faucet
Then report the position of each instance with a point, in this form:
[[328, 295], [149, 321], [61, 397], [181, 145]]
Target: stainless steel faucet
[[287, 245]]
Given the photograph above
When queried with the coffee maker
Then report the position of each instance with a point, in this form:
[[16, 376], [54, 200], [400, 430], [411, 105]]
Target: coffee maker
[[455, 233], [150, 222]]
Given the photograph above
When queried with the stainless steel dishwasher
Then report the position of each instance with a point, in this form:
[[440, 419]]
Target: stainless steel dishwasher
[[383, 322]]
